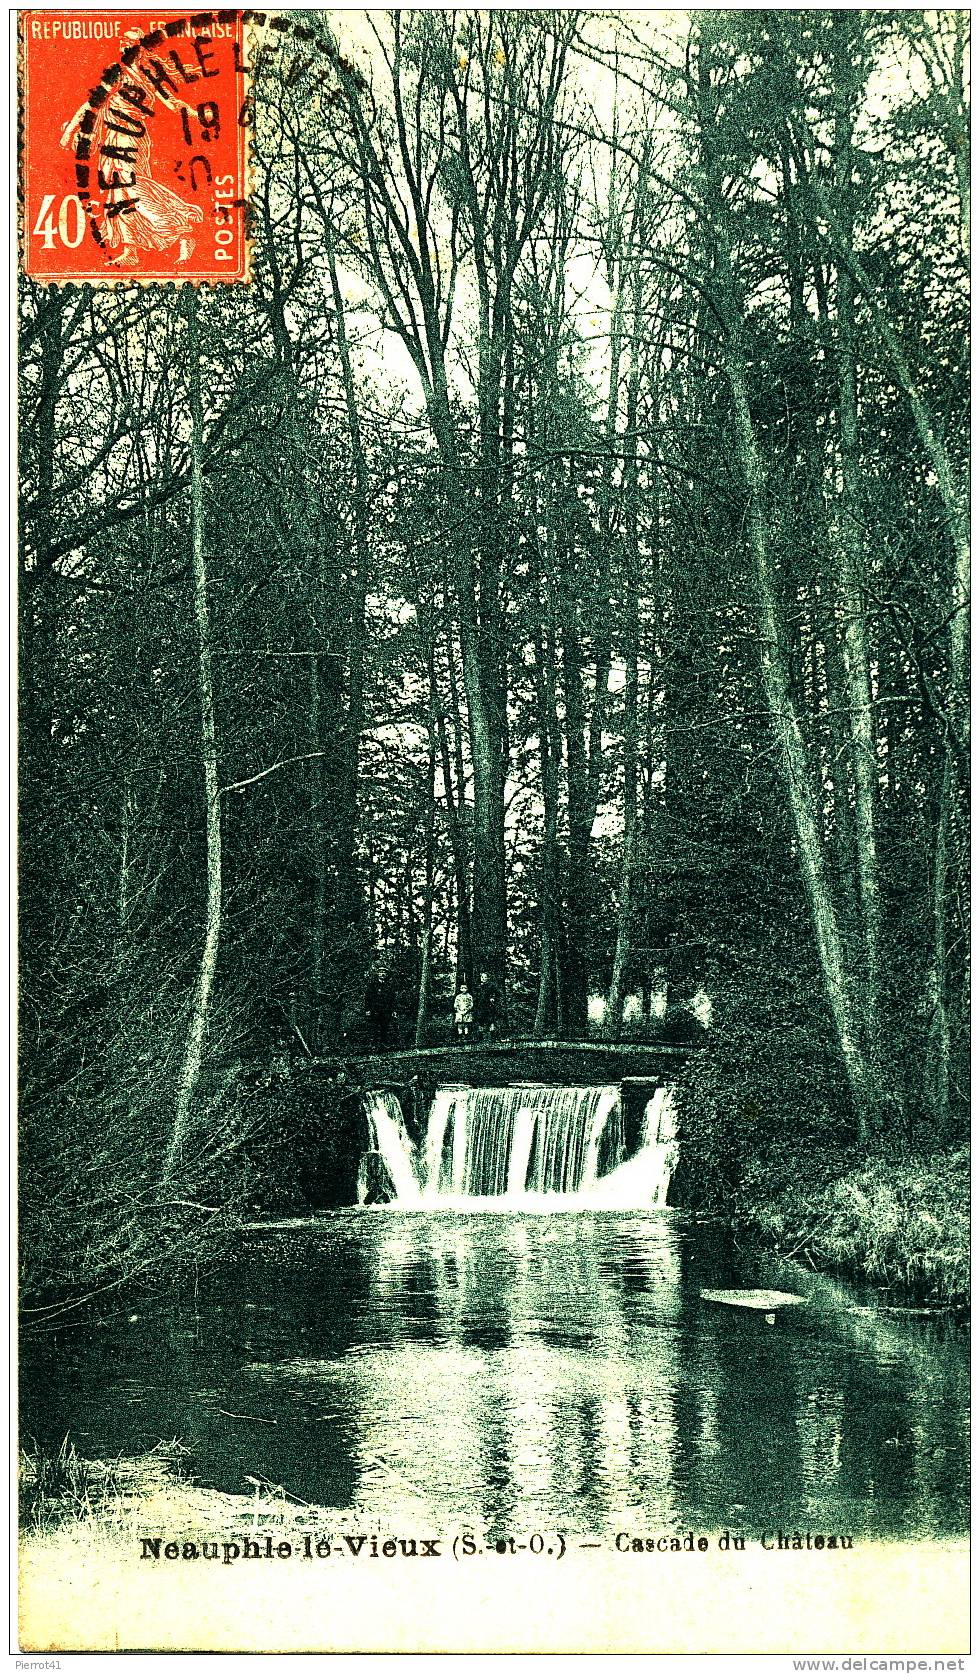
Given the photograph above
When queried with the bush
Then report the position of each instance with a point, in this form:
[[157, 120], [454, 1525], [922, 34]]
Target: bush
[[767, 1144], [763, 1092], [902, 1223], [64, 1486], [306, 1136]]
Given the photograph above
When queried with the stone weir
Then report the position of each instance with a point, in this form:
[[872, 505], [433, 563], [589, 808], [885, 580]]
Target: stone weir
[[636, 1067], [311, 1128]]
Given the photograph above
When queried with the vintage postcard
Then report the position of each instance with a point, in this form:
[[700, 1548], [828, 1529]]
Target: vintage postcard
[[493, 832]]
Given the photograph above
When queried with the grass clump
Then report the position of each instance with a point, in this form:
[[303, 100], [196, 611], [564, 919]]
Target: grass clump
[[69, 1503], [902, 1223], [60, 1487]]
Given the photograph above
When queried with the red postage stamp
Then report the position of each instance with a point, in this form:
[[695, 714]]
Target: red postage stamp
[[134, 145]]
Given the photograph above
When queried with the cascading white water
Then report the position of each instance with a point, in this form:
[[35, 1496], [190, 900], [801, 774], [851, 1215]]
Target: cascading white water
[[645, 1177], [523, 1147], [604, 1108], [443, 1106], [388, 1139], [520, 1150], [507, 1141]]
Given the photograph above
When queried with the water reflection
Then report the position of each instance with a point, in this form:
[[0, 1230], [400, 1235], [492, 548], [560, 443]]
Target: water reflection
[[533, 1391], [506, 1373]]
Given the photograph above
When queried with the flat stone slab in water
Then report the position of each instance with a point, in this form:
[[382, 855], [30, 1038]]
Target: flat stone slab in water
[[765, 1299]]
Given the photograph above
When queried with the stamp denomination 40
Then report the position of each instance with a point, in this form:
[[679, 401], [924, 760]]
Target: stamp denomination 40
[[134, 146]]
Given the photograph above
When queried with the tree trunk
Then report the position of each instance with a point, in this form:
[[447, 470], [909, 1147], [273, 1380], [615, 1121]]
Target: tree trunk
[[318, 785], [795, 768], [125, 813], [952, 499], [350, 888], [200, 1005], [797, 785], [425, 981], [425, 964], [585, 731], [578, 913], [627, 864], [546, 1009], [475, 578], [457, 844], [490, 912], [938, 1045], [857, 665], [631, 635]]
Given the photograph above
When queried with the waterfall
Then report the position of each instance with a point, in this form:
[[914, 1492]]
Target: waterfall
[[441, 1119], [520, 1153], [389, 1140], [603, 1109], [645, 1177], [520, 1147], [660, 1141], [511, 1141]]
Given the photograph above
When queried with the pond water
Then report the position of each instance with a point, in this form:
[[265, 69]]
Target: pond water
[[508, 1372]]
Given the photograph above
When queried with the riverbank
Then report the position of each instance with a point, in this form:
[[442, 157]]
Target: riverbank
[[66, 1499], [86, 1582], [904, 1225]]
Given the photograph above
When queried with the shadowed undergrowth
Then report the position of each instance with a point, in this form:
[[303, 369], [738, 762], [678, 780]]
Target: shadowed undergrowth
[[899, 1223]]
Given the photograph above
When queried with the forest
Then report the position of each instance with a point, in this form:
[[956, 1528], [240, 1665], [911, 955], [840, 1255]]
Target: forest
[[553, 563]]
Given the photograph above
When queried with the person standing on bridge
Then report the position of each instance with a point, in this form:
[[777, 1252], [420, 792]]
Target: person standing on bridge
[[463, 1012], [488, 1007], [379, 1008]]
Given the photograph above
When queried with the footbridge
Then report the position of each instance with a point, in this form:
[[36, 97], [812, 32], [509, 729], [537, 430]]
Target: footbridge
[[501, 1063]]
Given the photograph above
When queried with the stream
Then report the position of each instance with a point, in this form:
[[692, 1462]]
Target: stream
[[517, 1371]]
